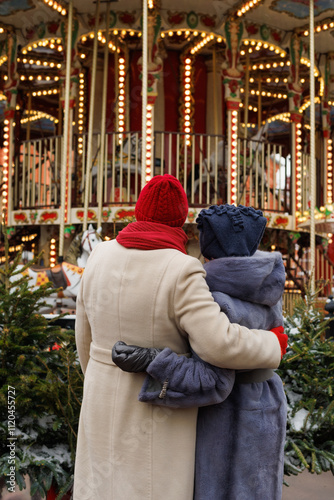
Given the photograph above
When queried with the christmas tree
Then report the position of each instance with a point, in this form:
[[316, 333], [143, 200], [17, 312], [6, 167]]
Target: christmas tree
[[40, 386], [307, 372]]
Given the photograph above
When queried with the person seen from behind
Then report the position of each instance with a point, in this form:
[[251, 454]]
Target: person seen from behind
[[241, 435], [143, 288]]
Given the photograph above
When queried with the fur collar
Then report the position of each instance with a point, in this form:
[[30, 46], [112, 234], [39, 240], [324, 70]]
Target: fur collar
[[259, 279]]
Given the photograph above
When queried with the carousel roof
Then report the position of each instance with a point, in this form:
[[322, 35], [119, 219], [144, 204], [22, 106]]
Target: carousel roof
[[268, 27], [285, 15]]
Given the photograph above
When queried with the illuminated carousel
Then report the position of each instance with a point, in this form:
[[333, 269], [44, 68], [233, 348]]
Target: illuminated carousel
[[233, 98]]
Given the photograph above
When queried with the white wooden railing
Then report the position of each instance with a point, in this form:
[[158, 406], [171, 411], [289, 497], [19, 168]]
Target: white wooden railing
[[202, 168], [264, 175], [37, 173]]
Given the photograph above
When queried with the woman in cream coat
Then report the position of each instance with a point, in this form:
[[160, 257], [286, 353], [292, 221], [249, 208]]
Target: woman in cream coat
[[143, 289]]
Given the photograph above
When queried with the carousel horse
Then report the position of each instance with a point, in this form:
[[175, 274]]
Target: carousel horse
[[66, 275], [90, 238], [131, 148]]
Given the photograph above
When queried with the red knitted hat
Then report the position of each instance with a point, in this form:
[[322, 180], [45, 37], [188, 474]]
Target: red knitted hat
[[163, 200]]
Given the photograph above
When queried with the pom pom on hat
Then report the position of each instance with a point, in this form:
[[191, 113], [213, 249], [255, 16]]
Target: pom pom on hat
[[163, 200], [227, 230]]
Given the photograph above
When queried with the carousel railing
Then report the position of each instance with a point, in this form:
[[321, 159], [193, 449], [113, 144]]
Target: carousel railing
[[36, 180], [114, 172], [201, 165], [264, 176], [197, 160]]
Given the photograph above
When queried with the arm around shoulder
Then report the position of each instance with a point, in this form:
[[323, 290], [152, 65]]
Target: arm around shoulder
[[182, 382], [210, 332]]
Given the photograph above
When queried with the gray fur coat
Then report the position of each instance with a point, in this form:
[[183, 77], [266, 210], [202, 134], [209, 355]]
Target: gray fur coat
[[242, 420]]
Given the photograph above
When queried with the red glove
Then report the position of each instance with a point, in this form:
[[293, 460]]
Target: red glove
[[282, 338]]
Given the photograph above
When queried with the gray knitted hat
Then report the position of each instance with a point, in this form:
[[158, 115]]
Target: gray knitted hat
[[228, 230]]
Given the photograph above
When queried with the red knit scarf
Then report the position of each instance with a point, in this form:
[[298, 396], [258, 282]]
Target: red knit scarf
[[152, 236]]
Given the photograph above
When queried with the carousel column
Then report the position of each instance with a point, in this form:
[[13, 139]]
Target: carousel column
[[214, 96], [327, 155], [259, 105], [149, 94], [327, 141], [232, 148], [91, 120], [246, 94], [330, 62], [69, 32], [73, 95], [313, 180], [294, 95], [329, 162], [121, 69], [10, 91], [232, 79], [296, 165], [103, 156], [186, 119], [122, 118]]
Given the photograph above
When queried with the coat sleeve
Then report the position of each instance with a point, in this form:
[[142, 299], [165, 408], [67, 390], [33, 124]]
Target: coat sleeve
[[249, 314], [181, 382], [83, 335], [210, 333]]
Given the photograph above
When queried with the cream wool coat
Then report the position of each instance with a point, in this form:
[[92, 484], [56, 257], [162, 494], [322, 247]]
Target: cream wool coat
[[128, 450]]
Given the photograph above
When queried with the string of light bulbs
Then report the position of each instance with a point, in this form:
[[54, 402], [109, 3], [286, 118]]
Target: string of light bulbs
[[246, 7], [39, 62], [5, 168], [81, 111], [38, 115], [263, 93], [319, 28], [38, 93], [329, 171], [52, 43], [39, 78], [121, 97], [298, 153], [56, 6]]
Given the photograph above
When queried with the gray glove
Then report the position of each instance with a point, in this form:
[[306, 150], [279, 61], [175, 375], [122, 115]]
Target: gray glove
[[132, 358]]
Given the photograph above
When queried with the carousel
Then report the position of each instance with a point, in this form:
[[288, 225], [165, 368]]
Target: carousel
[[234, 98]]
